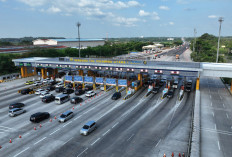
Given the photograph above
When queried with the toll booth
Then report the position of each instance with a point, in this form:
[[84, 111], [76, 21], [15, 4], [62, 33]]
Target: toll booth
[[136, 84]]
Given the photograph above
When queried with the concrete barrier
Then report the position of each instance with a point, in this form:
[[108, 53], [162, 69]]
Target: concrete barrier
[[195, 139]]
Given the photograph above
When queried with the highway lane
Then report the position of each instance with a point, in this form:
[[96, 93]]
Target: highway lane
[[96, 112], [216, 121]]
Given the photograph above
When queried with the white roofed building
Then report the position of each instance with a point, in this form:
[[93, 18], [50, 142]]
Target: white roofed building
[[70, 42]]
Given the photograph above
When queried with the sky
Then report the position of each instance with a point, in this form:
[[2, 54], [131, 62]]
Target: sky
[[113, 18]]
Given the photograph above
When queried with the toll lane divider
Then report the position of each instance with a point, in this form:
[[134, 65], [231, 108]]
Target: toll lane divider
[[109, 89]]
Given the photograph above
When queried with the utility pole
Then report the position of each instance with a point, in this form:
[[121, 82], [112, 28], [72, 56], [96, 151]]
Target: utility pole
[[194, 43], [220, 21], [78, 25]]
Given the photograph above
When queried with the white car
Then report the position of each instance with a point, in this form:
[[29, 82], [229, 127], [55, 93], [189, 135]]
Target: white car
[[16, 111], [44, 94], [60, 85], [90, 93], [39, 91], [37, 83]]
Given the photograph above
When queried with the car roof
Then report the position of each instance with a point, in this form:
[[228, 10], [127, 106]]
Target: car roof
[[90, 122], [90, 91]]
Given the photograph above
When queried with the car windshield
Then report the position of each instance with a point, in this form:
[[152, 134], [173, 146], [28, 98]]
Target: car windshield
[[85, 127], [63, 116]]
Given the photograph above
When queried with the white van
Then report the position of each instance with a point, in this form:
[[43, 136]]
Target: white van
[[60, 99]]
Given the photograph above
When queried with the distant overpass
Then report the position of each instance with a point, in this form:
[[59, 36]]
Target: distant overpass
[[161, 67]]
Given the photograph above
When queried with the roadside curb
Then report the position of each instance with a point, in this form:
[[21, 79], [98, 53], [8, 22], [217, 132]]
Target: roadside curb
[[195, 140]]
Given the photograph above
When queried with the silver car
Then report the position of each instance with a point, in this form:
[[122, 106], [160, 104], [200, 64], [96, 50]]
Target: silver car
[[88, 128], [16, 111], [65, 116]]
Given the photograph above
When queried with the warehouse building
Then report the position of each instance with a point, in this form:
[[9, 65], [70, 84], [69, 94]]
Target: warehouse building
[[74, 43]]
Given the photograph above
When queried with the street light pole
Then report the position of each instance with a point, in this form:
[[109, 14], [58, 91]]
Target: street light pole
[[194, 42], [220, 20], [78, 25]]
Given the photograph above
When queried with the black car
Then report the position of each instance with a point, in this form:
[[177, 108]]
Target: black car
[[16, 105], [59, 89], [50, 88], [70, 85], [170, 93], [79, 92], [88, 88], [68, 91], [48, 99], [161, 83], [39, 116], [52, 83], [76, 100], [26, 91], [188, 88], [78, 86], [155, 89], [116, 96]]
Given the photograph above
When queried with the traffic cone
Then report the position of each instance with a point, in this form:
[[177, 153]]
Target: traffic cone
[[55, 117], [94, 96], [50, 120], [91, 98], [34, 128], [40, 125], [97, 94], [0, 147], [20, 136], [88, 99], [172, 154], [164, 155], [179, 155], [183, 155], [80, 104], [73, 108], [10, 141]]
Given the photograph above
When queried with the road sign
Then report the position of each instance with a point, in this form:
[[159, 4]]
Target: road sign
[[68, 78], [99, 80], [78, 78], [122, 82], [110, 81], [88, 79]]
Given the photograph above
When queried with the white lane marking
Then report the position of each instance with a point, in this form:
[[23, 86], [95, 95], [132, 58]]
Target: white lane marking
[[77, 117], [224, 105], [40, 140], [227, 116], [67, 124], [54, 132], [95, 141], [219, 146], [210, 96], [157, 143], [82, 152], [220, 97], [213, 114], [6, 127], [89, 110], [106, 132], [68, 141], [115, 125], [211, 104], [22, 151], [26, 134], [130, 137], [215, 127]]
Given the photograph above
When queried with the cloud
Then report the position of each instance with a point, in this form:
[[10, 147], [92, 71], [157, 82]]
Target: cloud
[[128, 22], [143, 13], [164, 7], [34, 3], [212, 16], [183, 1], [53, 10], [171, 23], [153, 15], [3, 0], [190, 9]]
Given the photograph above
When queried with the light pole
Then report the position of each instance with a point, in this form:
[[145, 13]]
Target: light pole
[[194, 43], [220, 20], [78, 25]]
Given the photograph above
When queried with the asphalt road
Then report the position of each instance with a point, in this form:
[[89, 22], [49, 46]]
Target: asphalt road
[[139, 126]]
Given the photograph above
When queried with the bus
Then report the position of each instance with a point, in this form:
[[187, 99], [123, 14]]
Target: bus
[[60, 99]]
